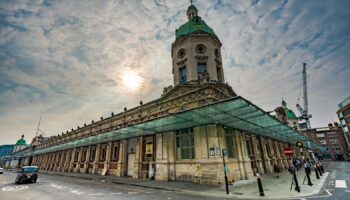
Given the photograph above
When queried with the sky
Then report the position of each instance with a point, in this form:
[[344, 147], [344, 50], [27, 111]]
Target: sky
[[71, 62]]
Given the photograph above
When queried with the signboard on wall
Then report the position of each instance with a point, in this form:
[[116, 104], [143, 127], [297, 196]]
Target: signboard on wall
[[149, 148]]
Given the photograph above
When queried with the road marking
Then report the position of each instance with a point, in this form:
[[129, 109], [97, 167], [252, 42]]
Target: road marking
[[17, 187], [327, 195], [132, 192], [97, 194], [346, 190], [77, 192], [116, 193], [149, 192], [340, 184], [56, 186]]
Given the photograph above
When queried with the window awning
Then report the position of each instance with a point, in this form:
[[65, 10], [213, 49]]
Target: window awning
[[236, 112]]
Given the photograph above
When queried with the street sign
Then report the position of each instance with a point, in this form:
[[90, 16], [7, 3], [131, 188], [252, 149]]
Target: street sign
[[299, 144], [288, 151]]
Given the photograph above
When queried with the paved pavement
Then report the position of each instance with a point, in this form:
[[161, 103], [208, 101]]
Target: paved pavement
[[53, 185]]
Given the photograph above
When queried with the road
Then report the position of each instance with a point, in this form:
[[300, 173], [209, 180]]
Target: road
[[51, 187], [337, 184]]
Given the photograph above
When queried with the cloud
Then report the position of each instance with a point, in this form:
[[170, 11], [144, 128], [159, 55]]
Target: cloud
[[65, 60]]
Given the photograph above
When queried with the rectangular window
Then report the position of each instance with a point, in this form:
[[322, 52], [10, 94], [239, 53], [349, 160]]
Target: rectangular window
[[183, 78], [76, 155], [320, 135], [341, 115], [323, 142], [115, 151], [185, 144], [92, 153], [103, 153], [202, 67], [220, 78], [83, 155], [230, 144]]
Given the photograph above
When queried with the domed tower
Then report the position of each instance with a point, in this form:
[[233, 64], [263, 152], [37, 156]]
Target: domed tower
[[196, 52], [20, 144]]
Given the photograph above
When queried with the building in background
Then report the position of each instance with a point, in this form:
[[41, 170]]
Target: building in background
[[344, 117], [15, 160], [332, 139], [287, 116], [5, 153]]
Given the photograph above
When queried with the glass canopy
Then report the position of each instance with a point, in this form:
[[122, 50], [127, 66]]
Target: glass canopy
[[237, 113]]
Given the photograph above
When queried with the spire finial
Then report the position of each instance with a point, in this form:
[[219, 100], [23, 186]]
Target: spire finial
[[191, 1]]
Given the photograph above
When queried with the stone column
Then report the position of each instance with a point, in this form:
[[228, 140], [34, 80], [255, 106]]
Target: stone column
[[122, 158], [136, 168], [267, 157], [108, 157], [71, 164], [67, 161], [77, 167], [97, 159], [87, 159]]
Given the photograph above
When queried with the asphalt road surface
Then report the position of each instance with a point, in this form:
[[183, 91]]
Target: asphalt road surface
[[338, 182], [51, 187]]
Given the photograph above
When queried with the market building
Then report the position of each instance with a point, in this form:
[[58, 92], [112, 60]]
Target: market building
[[181, 135]]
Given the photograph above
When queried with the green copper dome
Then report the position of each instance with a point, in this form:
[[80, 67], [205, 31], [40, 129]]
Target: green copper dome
[[291, 114], [194, 24], [21, 142]]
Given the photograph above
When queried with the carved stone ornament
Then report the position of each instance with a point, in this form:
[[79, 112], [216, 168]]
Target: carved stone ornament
[[201, 58], [181, 53], [181, 62], [200, 48]]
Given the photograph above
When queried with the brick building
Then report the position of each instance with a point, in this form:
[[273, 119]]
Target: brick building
[[333, 143], [344, 117]]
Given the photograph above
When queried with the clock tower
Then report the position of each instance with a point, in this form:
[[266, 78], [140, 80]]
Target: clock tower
[[196, 52]]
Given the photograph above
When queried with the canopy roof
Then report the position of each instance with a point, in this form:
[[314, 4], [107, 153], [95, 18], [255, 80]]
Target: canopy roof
[[236, 112]]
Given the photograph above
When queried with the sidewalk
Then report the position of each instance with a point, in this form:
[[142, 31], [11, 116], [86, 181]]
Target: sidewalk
[[274, 188]]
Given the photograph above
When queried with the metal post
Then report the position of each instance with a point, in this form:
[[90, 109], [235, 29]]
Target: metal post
[[316, 172], [297, 188], [261, 189], [308, 177], [223, 159]]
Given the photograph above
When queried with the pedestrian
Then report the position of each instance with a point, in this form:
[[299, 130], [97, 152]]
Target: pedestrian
[[307, 166], [298, 164], [277, 170]]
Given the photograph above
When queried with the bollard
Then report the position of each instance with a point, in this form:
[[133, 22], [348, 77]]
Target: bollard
[[316, 172], [297, 188], [319, 170], [261, 189], [308, 176]]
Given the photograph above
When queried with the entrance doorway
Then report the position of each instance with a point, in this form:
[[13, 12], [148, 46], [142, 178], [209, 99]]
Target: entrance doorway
[[131, 160]]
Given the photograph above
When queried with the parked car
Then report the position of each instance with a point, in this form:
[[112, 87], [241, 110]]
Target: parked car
[[27, 174], [1, 170]]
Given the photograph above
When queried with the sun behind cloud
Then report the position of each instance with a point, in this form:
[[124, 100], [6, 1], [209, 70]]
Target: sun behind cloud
[[132, 80]]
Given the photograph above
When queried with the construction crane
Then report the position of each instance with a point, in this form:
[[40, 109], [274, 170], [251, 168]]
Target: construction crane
[[304, 115]]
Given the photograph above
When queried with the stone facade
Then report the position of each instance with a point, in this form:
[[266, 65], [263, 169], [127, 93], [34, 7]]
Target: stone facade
[[193, 154]]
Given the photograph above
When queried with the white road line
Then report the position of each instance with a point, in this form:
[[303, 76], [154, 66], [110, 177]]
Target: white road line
[[340, 184], [116, 193], [97, 194], [132, 192], [77, 192], [149, 192], [328, 194]]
